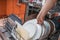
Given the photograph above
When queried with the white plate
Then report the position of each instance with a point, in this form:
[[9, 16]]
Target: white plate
[[39, 29], [31, 28], [35, 30]]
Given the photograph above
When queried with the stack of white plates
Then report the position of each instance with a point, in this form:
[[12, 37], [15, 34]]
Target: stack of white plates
[[35, 30]]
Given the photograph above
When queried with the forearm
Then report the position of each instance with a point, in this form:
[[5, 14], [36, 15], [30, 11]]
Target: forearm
[[47, 6]]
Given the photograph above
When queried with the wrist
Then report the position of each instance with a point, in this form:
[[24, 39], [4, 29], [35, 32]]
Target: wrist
[[42, 14]]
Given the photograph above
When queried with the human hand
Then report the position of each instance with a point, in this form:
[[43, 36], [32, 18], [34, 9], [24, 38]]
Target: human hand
[[40, 18]]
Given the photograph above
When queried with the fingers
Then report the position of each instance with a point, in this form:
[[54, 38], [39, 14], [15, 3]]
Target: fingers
[[40, 19]]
